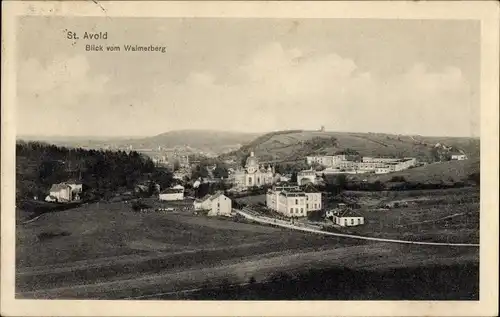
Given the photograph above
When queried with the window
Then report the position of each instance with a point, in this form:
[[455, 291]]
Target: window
[[301, 210], [296, 201], [345, 222], [315, 206], [352, 221], [291, 210]]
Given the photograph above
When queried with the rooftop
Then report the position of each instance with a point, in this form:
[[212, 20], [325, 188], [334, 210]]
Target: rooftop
[[172, 191], [58, 187], [293, 194], [346, 213]]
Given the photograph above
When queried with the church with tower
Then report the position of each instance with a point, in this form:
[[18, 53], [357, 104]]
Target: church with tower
[[254, 174]]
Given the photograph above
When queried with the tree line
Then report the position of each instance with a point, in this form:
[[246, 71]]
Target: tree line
[[102, 172]]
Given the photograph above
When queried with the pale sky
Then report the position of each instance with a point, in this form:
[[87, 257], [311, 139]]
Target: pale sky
[[249, 75]]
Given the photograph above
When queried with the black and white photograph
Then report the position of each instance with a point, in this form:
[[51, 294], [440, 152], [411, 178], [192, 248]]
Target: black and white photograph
[[205, 158]]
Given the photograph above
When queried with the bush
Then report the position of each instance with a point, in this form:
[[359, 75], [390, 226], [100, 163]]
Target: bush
[[252, 280], [50, 235], [476, 178], [398, 179]]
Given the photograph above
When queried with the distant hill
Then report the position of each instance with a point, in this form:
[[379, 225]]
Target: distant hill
[[295, 144], [209, 141], [206, 140]]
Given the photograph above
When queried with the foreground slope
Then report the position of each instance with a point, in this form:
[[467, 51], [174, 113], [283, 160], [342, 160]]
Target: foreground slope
[[107, 251]]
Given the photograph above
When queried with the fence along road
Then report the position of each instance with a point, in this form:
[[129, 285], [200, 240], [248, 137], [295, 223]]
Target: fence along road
[[281, 223]]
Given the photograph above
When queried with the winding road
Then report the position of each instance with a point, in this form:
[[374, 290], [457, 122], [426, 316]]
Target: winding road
[[343, 235]]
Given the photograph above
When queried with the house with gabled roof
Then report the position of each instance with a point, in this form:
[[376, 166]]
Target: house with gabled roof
[[217, 204], [60, 192]]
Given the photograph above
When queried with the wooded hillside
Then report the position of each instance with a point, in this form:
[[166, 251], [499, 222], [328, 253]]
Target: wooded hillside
[[39, 165]]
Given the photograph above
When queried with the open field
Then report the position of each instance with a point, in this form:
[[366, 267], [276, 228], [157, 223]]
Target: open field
[[447, 215], [447, 172], [454, 224], [109, 251]]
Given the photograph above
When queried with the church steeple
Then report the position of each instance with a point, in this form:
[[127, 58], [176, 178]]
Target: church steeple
[[252, 163]]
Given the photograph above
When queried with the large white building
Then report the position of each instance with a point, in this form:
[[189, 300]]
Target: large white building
[[378, 165], [216, 205], [254, 174], [293, 202], [326, 160]]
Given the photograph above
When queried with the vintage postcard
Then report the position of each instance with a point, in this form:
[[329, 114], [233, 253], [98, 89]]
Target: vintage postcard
[[249, 158]]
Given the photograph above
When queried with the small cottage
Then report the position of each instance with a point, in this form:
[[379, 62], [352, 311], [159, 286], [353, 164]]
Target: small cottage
[[347, 218], [216, 205]]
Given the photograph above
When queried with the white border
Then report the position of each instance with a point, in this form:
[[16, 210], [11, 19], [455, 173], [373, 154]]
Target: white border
[[487, 12]]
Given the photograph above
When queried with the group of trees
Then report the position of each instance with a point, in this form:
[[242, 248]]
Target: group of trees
[[318, 143], [40, 165], [210, 188], [201, 170]]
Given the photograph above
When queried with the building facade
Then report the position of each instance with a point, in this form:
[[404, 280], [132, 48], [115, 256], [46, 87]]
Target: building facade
[[253, 174], [313, 201], [65, 192], [345, 217], [326, 160], [293, 202], [458, 157], [306, 176], [60, 193], [216, 205]]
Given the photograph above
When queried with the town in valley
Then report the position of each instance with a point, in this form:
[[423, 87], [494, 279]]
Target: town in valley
[[250, 204], [283, 159]]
